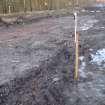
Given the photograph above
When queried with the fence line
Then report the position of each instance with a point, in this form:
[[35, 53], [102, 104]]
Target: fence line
[[12, 6]]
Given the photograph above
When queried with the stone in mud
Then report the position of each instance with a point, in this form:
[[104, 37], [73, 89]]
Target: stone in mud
[[89, 76]]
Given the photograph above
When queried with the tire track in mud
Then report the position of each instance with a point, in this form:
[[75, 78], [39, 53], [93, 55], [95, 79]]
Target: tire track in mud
[[40, 87], [49, 84]]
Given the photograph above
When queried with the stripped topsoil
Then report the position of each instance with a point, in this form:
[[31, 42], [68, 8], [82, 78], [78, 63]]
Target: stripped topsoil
[[45, 76], [42, 86]]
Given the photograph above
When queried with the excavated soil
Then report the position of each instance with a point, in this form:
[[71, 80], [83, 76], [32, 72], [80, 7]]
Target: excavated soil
[[37, 62]]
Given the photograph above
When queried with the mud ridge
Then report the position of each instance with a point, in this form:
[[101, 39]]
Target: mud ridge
[[38, 87]]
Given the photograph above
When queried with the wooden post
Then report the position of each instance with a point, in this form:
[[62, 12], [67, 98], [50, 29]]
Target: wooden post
[[76, 57]]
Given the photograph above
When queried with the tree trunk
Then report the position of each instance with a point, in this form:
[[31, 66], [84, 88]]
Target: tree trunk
[[31, 6], [24, 5]]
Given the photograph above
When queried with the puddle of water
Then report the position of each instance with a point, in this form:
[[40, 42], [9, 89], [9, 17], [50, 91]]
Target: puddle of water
[[85, 27], [89, 24], [81, 58], [99, 57], [82, 67]]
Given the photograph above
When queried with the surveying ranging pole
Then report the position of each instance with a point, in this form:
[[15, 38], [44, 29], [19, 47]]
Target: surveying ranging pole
[[75, 18], [76, 48]]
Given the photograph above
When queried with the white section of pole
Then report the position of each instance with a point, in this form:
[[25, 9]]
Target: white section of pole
[[75, 15]]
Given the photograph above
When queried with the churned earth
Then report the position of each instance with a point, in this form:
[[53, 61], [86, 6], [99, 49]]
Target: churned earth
[[37, 61]]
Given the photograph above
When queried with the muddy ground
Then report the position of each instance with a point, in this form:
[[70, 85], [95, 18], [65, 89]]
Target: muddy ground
[[36, 65]]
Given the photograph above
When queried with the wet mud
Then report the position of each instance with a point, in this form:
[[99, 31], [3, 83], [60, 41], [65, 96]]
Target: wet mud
[[51, 83]]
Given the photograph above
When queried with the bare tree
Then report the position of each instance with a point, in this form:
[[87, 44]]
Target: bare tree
[[24, 5], [31, 5], [73, 4]]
